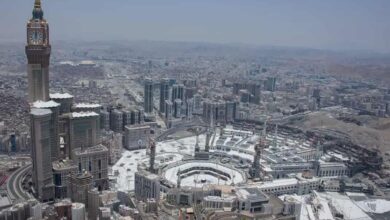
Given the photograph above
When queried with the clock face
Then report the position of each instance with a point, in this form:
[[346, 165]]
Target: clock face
[[35, 37]]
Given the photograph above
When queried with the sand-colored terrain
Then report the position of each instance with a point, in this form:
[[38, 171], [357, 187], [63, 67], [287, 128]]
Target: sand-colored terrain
[[373, 132]]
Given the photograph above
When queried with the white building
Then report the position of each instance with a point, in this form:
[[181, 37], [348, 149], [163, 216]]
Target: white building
[[78, 211], [301, 184], [332, 169], [217, 202]]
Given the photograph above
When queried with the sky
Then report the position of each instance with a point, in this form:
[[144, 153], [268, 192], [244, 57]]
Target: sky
[[321, 24]]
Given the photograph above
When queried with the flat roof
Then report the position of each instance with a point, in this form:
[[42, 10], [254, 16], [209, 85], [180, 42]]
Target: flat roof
[[40, 111], [44, 104], [60, 96], [63, 164], [87, 105], [96, 148], [251, 193], [83, 114]]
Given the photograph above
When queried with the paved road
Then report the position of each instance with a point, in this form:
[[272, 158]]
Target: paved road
[[14, 184]]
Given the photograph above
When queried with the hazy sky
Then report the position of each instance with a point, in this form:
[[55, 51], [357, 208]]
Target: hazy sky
[[331, 24]]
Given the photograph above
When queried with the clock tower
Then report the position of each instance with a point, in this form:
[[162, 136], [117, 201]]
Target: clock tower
[[38, 55]]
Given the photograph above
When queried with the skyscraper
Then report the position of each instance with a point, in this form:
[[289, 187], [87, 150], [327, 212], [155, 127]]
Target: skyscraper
[[148, 95], [42, 175], [270, 84], [178, 91], [54, 129], [50, 119], [164, 94], [38, 55]]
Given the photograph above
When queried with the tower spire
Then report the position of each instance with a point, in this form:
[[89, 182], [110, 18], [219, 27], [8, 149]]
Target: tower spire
[[37, 4], [37, 11]]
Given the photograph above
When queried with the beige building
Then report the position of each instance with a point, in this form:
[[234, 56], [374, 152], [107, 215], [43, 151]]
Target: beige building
[[137, 136], [95, 161], [42, 174]]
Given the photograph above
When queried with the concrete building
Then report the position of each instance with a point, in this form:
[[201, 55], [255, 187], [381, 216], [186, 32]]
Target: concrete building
[[137, 116], [301, 184], [65, 100], [54, 129], [221, 111], [332, 169], [84, 131], [35, 209], [114, 142], [217, 202], [252, 200], [93, 203], [63, 209], [178, 91], [78, 211], [104, 213], [137, 137], [189, 108], [104, 120], [79, 185], [198, 104], [116, 120], [62, 169], [248, 91], [270, 84], [126, 115], [86, 107], [148, 95], [147, 186], [177, 106], [168, 109], [42, 175], [24, 210], [164, 94], [95, 161], [231, 111]]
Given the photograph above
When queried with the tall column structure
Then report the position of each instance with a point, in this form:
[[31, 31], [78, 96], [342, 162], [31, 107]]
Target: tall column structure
[[54, 125], [207, 145], [164, 94], [256, 168], [42, 175], [152, 156], [38, 51], [148, 95]]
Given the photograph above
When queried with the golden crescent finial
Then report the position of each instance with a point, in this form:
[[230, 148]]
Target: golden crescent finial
[[37, 4]]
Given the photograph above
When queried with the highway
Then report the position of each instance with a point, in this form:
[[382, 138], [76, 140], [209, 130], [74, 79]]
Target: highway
[[14, 184]]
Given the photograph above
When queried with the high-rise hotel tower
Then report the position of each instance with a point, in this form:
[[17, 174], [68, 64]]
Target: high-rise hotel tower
[[38, 55]]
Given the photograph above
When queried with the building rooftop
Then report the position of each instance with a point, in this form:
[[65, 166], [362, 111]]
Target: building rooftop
[[251, 193], [77, 205], [61, 96], [87, 105], [4, 200], [43, 104], [96, 148], [220, 199], [83, 114], [40, 111], [63, 164]]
